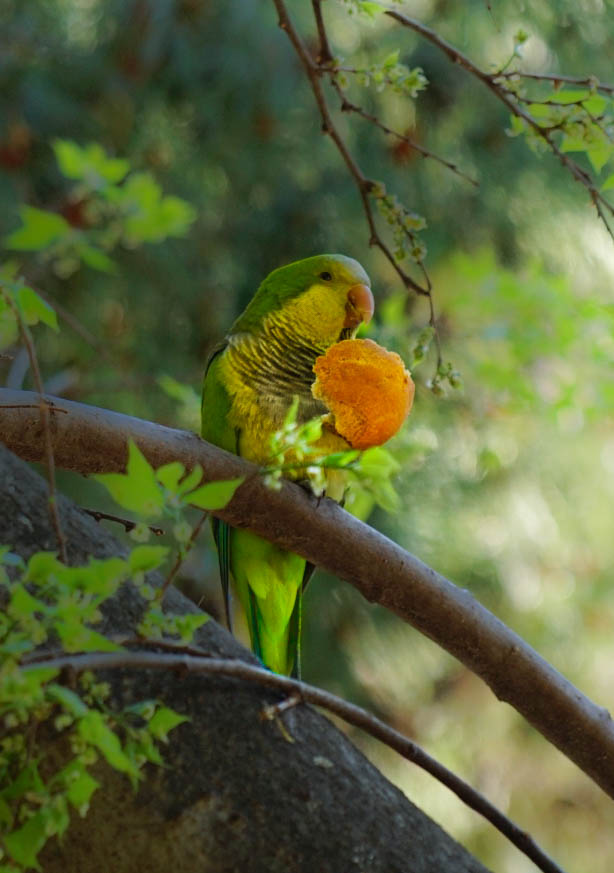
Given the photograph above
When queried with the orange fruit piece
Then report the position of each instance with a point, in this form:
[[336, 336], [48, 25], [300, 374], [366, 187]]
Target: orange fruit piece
[[367, 390]]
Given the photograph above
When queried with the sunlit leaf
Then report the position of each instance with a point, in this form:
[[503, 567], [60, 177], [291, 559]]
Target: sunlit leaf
[[39, 230], [163, 721], [136, 490], [143, 559], [34, 309], [214, 495], [24, 844], [95, 731]]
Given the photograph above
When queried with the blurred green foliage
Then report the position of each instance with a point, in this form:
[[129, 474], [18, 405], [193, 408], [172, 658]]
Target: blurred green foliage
[[507, 484]]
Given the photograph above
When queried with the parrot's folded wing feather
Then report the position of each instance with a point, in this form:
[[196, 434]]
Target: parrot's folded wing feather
[[216, 428], [221, 535], [296, 622]]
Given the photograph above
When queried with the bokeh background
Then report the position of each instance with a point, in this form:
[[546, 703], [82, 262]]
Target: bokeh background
[[507, 485]]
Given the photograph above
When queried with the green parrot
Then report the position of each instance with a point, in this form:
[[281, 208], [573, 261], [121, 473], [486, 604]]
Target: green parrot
[[251, 380]]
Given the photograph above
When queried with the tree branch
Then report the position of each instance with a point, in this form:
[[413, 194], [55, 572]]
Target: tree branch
[[507, 97], [233, 794], [43, 412], [302, 692], [363, 184], [92, 440]]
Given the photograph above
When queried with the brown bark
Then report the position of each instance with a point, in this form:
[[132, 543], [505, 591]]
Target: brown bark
[[88, 440], [236, 794]]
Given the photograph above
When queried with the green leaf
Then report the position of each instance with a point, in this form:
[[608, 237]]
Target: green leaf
[[568, 96], [34, 309], [96, 258], [392, 59], [27, 780], [341, 459], [69, 700], [185, 625], [369, 8], [150, 217], [145, 558], [163, 721], [89, 164], [170, 474], [599, 155], [609, 183], [137, 489], [40, 229], [80, 791], [190, 481], [6, 816], [9, 328], [595, 104], [34, 677], [214, 495], [41, 565], [24, 844], [76, 637], [23, 604], [378, 463], [95, 731]]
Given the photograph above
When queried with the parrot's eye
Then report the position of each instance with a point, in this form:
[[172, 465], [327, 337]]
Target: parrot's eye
[[326, 276]]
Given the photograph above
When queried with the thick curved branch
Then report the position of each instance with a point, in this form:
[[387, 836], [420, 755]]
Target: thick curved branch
[[91, 440]]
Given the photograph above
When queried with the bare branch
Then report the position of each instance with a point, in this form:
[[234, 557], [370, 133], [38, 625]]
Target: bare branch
[[92, 440], [324, 55], [182, 554], [363, 184], [347, 106], [128, 525], [43, 409], [508, 98], [299, 691], [556, 79]]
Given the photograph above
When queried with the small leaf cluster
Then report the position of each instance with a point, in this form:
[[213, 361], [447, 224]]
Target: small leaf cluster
[[394, 330], [293, 448], [46, 601], [368, 473], [106, 206], [405, 225], [363, 7], [581, 119], [446, 375], [163, 493], [389, 73], [20, 304], [166, 491]]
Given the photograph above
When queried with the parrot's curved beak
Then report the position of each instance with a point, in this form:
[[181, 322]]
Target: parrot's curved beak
[[359, 307]]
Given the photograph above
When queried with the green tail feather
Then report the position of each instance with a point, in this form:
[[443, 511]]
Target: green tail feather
[[221, 535]]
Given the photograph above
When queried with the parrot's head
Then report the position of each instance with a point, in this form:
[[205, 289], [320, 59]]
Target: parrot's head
[[323, 299]]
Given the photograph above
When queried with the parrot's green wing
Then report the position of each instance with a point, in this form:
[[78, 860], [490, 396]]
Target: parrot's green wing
[[217, 429], [269, 580]]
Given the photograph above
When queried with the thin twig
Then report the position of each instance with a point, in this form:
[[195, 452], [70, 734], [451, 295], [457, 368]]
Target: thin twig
[[44, 408], [509, 99], [324, 55], [128, 525], [582, 81], [349, 712], [364, 185], [182, 554], [347, 106], [52, 406], [76, 325]]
